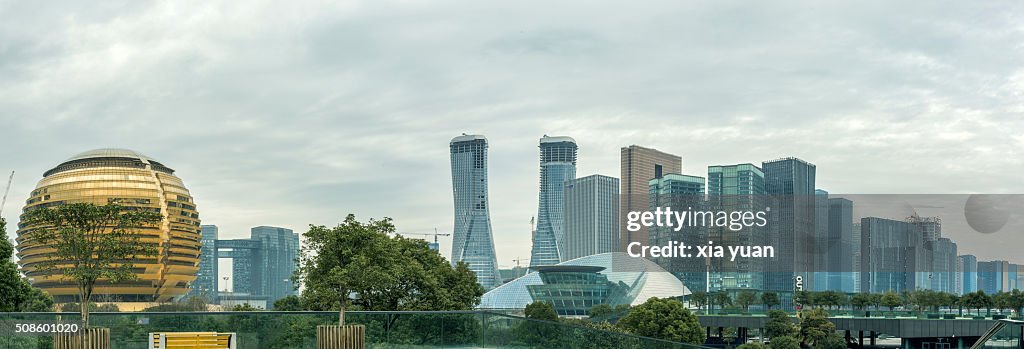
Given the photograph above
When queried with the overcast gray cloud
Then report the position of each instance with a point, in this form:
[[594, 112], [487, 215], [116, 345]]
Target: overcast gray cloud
[[291, 113]]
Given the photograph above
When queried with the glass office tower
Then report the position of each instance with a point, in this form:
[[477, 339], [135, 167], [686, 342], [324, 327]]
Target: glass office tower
[[842, 246], [789, 183], [206, 279], [277, 260], [966, 274], [682, 192], [591, 216], [733, 188], [557, 166], [472, 241]]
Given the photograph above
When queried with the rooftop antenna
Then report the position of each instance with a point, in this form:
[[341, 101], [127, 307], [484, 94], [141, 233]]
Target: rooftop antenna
[[6, 191]]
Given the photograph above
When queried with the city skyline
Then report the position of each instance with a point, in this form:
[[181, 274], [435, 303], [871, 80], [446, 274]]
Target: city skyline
[[300, 116]]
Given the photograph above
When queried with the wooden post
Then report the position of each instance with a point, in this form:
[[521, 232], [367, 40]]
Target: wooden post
[[93, 338], [341, 337]]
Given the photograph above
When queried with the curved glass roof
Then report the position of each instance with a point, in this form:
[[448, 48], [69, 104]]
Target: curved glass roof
[[109, 153], [645, 277]]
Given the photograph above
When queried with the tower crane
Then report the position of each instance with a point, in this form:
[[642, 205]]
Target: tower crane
[[435, 245], [6, 191]]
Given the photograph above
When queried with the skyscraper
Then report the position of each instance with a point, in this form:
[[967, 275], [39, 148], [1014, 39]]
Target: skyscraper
[[992, 276], [206, 279], [840, 247], [639, 166], [740, 188], [941, 272], [966, 274], [682, 192], [591, 216], [789, 183], [557, 166], [893, 254], [472, 241], [277, 260]]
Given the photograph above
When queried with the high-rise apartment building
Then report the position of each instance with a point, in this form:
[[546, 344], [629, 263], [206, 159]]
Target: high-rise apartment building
[[682, 192], [892, 255], [931, 227], [790, 185], [993, 276], [206, 279], [840, 246], [472, 241], [557, 166], [737, 188], [967, 273], [639, 166], [820, 270], [591, 216], [941, 272]]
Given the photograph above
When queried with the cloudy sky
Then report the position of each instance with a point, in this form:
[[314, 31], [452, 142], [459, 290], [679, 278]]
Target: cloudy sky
[[292, 113]]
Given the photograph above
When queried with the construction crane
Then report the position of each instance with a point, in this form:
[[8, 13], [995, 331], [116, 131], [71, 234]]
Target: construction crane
[[435, 246], [519, 268], [6, 191]]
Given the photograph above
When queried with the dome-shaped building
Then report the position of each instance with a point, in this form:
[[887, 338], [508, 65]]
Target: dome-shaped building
[[135, 181]]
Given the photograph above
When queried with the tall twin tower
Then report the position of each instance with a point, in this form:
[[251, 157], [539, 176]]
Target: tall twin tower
[[473, 242]]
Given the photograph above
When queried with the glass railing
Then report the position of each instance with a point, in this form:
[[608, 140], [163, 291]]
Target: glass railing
[[1003, 334], [271, 329]]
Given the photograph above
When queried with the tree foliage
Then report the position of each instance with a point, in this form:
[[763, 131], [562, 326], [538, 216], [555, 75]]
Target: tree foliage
[[770, 299], [746, 298], [664, 318], [784, 342], [779, 324], [15, 292], [359, 264], [699, 298], [891, 300], [290, 303], [541, 311], [91, 243], [815, 327]]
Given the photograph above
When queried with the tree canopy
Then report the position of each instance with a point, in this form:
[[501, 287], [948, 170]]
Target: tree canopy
[[15, 292], [90, 243], [664, 318], [359, 264]]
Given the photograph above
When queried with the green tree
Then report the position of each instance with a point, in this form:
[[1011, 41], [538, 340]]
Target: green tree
[[830, 299], [784, 342], [15, 292], [244, 307], [876, 300], [779, 324], [977, 300], [1016, 301], [664, 318], [1001, 300], [805, 298], [600, 310], [891, 299], [770, 299], [832, 341], [700, 299], [861, 300], [815, 327], [290, 303], [91, 243], [746, 298], [541, 311], [752, 345], [359, 264], [722, 298]]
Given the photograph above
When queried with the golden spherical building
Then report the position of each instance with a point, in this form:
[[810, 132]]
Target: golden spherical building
[[132, 180]]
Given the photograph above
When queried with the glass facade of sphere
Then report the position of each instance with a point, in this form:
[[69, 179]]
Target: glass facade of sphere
[[139, 183]]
